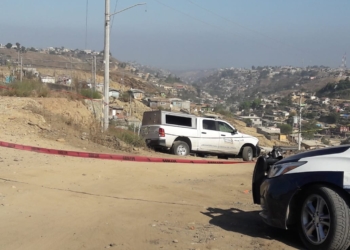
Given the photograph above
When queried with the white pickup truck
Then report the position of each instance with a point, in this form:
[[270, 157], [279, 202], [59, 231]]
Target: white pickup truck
[[185, 133]]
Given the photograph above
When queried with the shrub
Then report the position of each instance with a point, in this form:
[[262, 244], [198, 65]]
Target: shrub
[[89, 93], [27, 89], [128, 137], [125, 97]]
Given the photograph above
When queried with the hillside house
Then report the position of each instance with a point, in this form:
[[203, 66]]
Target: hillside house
[[325, 100], [178, 104], [155, 103], [270, 133], [47, 79], [114, 93], [116, 112], [312, 144], [137, 94], [256, 121], [271, 117]]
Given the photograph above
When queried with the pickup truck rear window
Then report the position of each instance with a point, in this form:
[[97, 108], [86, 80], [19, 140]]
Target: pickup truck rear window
[[178, 120]]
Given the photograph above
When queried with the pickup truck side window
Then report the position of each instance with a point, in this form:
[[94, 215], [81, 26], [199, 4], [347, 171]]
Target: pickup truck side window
[[209, 125], [224, 127]]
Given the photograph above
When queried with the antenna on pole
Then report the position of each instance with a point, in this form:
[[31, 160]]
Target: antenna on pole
[[342, 66]]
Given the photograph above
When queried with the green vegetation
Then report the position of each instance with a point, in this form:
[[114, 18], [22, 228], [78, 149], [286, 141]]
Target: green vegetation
[[340, 89], [89, 93], [128, 137], [248, 122], [172, 79], [26, 89], [222, 110], [125, 97], [332, 118], [285, 128], [246, 105], [325, 141], [309, 129]]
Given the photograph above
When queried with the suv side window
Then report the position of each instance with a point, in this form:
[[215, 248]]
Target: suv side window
[[224, 127], [209, 125]]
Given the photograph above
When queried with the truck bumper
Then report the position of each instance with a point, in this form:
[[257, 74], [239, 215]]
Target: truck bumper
[[155, 142]]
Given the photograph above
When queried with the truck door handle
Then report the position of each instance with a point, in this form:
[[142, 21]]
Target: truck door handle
[[223, 135], [204, 133]]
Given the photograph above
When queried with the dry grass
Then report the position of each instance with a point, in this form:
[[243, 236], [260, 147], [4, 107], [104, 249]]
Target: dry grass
[[73, 128]]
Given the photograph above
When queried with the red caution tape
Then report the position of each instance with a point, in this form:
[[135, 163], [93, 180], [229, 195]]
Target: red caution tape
[[110, 156]]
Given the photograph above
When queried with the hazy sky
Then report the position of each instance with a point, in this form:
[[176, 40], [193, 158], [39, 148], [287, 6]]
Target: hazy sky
[[189, 34]]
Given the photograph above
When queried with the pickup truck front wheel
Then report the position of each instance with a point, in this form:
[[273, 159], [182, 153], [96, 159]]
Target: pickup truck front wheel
[[180, 148], [247, 153]]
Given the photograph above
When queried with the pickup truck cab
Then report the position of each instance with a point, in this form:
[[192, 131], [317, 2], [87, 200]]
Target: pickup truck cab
[[186, 133]]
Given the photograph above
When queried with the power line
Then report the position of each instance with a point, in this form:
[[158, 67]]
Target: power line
[[115, 10]]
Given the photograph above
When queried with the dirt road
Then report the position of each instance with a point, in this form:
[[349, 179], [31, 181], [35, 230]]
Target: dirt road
[[56, 202]]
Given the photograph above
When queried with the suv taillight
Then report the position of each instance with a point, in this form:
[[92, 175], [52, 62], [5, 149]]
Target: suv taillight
[[161, 132]]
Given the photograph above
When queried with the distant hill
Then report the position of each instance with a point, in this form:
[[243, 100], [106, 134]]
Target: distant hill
[[339, 89], [194, 75]]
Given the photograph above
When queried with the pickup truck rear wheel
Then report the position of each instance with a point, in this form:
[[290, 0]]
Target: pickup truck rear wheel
[[180, 148], [247, 153]]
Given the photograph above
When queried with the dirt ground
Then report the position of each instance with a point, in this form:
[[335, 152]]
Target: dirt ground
[[57, 202]]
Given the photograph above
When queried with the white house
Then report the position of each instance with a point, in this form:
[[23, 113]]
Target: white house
[[256, 121], [47, 79], [114, 93]]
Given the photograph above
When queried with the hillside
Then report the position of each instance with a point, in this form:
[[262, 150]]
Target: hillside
[[78, 66], [339, 89], [236, 85]]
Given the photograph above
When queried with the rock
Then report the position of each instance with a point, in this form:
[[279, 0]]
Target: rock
[[61, 140], [175, 241], [16, 159]]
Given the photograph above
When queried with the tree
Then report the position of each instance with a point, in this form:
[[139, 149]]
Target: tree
[[310, 115], [309, 129], [285, 128], [332, 118], [8, 45], [248, 122], [18, 45], [245, 105], [256, 103]]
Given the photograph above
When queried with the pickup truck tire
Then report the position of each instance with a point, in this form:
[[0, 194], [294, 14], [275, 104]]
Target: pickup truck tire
[[247, 153], [180, 148]]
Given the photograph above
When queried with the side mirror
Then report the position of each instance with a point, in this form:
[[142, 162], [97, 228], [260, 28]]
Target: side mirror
[[234, 131]]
